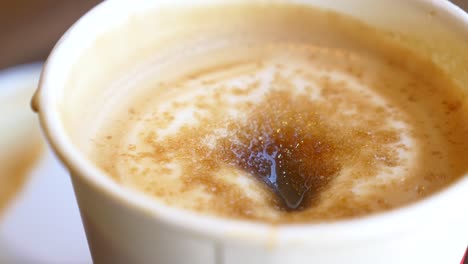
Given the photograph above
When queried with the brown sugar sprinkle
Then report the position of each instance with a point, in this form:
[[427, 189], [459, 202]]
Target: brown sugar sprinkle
[[285, 141], [295, 148], [347, 124], [452, 106], [286, 147]]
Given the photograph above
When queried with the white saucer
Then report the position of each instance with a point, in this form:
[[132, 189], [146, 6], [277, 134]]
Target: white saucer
[[42, 224]]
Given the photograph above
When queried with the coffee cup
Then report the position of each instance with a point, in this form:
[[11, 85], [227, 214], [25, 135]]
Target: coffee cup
[[125, 226]]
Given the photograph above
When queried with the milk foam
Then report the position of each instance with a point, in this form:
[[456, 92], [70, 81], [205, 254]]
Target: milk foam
[[187, 113], [374, 104]]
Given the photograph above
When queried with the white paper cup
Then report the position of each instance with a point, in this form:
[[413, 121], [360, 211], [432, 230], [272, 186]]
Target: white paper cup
[[124, 226]]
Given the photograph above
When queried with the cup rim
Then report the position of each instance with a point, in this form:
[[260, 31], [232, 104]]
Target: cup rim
[[349, 229]]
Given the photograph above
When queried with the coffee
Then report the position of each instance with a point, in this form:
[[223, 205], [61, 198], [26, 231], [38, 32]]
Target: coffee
[[284, 114]]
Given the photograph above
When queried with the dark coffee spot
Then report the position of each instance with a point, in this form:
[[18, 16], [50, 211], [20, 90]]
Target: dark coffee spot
[[289, 151]]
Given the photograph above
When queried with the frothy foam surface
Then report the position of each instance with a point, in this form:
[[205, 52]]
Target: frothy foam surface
[[290, 131]]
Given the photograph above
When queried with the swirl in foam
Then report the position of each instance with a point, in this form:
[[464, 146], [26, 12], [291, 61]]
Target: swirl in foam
[[292, 132]]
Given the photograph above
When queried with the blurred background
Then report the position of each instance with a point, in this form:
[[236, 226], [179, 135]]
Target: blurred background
[[34, 190], [30, 28]]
